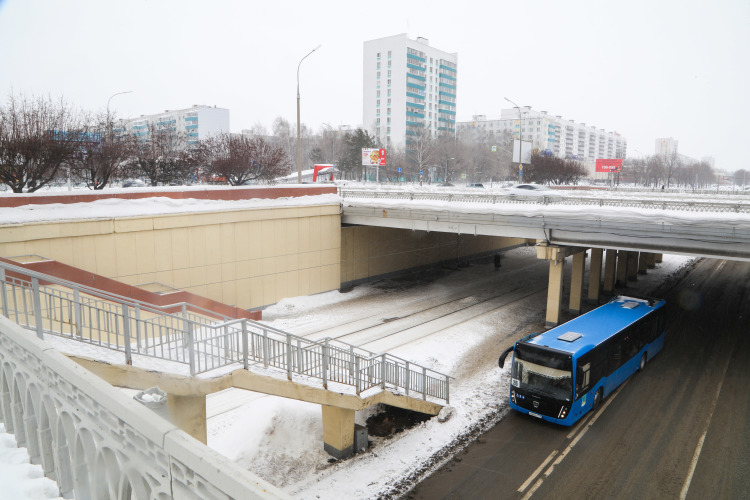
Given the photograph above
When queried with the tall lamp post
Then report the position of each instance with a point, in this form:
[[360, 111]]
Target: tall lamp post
[[299, 150], [110, 98], [520, 140]]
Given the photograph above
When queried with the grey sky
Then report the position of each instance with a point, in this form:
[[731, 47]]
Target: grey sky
[[645, 69]]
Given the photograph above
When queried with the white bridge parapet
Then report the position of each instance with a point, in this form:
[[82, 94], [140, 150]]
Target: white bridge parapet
[[96, 442]]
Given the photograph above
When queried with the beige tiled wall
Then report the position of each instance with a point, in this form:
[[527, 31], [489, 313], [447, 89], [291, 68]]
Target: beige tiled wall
[[368, 251], [247, 258]]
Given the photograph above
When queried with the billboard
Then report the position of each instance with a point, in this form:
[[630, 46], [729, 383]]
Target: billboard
[[373, 157], [609, 165], [525, 152]]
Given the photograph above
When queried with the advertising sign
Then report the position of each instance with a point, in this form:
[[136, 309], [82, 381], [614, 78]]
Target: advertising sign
[[372, 157], [609, 165], [521, 152]]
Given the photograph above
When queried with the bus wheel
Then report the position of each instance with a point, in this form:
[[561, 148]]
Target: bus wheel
[[643, 362], [597, 399]]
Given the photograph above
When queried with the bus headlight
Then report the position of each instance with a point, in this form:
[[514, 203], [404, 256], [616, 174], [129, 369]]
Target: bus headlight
[[563, 412], [513, 396]]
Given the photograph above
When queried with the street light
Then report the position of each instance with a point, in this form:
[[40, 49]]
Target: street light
[[110, 98], [299, 150], [520, 140]]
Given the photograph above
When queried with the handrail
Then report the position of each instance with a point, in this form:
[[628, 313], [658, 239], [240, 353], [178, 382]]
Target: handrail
[[87, 315], [106, 295], [736, 206]]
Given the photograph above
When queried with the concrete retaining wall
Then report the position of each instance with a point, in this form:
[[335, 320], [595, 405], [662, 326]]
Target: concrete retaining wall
[[371, 252]]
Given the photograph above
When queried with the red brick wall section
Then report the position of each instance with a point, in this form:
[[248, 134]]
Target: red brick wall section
[[206, 193]]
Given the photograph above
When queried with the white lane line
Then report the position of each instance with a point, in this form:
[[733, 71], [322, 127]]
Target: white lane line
[[580, 425], [575, 441], [536, 472], [699, 447]]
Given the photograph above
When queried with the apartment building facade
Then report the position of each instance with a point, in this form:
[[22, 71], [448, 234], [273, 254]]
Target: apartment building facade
[[549, 133], [195, 123], [409, 89]]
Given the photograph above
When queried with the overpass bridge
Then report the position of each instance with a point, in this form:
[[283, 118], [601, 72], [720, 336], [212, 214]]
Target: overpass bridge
[[634, 229]]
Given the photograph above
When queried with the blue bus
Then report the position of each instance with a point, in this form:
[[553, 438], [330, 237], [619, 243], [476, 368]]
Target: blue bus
[[561, 374]]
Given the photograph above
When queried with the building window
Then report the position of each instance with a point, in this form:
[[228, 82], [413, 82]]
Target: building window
[[378, 74], [389, 54], [377, 103], [379, 93], [378, 65]]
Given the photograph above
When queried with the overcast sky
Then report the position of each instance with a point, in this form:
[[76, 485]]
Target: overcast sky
[[645, 69]]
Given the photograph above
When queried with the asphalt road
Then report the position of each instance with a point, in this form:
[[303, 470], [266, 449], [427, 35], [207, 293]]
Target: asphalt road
[[679, 429]]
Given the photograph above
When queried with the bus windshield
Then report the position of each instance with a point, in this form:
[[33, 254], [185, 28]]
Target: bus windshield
[[543, 371]]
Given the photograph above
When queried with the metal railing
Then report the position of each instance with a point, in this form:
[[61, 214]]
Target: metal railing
[[733, 206], [48, 305]]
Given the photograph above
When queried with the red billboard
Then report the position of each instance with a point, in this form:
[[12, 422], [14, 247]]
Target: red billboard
[[609, 165]]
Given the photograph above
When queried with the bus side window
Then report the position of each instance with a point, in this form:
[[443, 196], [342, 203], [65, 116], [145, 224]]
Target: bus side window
[[583, 379]]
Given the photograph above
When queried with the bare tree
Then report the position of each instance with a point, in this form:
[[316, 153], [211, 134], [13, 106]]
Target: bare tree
[[420, 150], [162, 156], [38, 136], [101, 155], [239, 159], [549, 169]]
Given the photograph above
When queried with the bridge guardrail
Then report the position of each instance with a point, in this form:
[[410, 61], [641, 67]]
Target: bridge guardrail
[[48, 305], [496, 198]]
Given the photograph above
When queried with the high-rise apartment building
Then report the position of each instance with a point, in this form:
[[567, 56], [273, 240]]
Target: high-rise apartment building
[[409, 89], [196, 123], [548, 133], [665, 147]]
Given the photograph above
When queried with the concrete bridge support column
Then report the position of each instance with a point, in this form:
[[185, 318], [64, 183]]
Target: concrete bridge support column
[[554, 292], [595, 274], [651, 260], [576, 282], [338, 431], [657, 258], [622, 268], [610, 268], [643, 262], [189, 414], [632, 266]]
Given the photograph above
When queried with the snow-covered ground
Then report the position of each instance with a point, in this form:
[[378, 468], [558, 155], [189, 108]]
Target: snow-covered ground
[[281, 440]]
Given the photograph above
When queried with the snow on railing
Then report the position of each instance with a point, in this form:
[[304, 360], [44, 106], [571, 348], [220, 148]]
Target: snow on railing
[[735, 206], [49, 305]]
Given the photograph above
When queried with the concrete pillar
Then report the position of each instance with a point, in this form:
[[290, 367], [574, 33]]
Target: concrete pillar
[[595, 274], [622, 268], [338, 431], [576, 282], [642, 262], [632, 266], [189, 414], [651, 260], [610, 267], [554, 292], [657, 258]]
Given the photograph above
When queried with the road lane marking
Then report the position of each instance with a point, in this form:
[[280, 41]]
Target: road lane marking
[[574, 442], [536, 472], [699, 447], [580, 425]]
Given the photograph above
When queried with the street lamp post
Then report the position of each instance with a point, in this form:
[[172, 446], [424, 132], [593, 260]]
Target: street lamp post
[[110, 98], [520, 139], [299, 150]]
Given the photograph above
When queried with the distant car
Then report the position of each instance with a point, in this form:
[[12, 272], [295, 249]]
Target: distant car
[[475, 185], [532, 190], [133, 183]]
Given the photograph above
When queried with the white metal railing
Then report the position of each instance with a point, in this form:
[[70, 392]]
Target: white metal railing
[[48, 305], [734, 206]]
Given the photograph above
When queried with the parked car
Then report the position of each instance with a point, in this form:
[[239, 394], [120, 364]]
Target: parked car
[[475, 185], [133, 183], [532, 190]]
